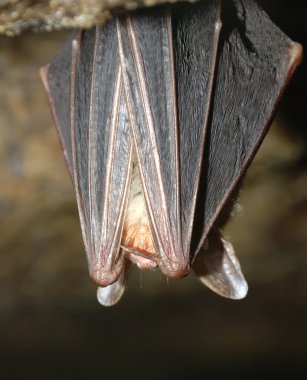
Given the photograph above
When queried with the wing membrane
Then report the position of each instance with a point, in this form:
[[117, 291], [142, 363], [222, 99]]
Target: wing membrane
[[103, 150], [82, 62], [255, 62], [196, 32], [84, 85], [109, 147], [56, 78]]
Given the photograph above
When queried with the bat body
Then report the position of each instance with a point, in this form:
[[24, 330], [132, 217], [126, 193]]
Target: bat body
[[159, 113]]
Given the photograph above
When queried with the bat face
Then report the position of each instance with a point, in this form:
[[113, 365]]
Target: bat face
[[159, 113]]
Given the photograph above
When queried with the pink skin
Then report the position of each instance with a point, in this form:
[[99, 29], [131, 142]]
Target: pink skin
[[142, 262]]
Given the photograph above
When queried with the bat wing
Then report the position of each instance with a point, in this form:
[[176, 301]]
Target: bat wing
[[56, 78], [255, 62], [148, 71], [169, 131], [100, 146], [196, 29]]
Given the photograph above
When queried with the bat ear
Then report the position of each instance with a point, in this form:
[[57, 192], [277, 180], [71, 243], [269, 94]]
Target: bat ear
[[219, 269], [111, 294]]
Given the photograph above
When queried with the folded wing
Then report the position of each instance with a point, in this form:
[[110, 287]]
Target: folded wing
[[94, 130], [149, 78], [255, 62], [168, 62]]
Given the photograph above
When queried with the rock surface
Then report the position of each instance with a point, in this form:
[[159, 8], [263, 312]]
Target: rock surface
[[41, 15]]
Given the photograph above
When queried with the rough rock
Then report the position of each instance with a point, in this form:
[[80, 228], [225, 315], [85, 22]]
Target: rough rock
[[17, 16]]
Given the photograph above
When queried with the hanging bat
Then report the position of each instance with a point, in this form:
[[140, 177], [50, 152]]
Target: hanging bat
[[159, 113]]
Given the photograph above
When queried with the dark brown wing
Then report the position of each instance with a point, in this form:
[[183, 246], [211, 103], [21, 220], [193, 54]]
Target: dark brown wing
[[56, 78], [168, 97], [255, 62], [196, 29], [148, 71], [101, 145]]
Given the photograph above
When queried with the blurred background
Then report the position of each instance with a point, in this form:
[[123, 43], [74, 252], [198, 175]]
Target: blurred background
[[51, 326]]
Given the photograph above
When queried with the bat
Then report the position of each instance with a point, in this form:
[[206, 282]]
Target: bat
[[159, 113]]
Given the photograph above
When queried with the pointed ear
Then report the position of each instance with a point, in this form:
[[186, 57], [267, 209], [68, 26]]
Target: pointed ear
[[110, 295], [218, 267]]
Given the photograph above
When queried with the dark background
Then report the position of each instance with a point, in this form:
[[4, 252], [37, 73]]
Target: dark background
[[51, 326]]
